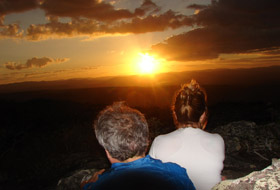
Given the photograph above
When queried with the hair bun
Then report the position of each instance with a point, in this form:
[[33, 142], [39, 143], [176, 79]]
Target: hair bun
[[190, 88], [193, 85]]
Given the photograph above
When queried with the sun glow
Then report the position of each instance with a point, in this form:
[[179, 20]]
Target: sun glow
[[147, 64]]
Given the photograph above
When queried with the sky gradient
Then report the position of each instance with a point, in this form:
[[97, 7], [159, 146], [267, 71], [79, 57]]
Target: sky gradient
[[43, 40]]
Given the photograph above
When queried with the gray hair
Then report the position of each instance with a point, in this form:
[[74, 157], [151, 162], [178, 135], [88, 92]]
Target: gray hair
[[122, 131]]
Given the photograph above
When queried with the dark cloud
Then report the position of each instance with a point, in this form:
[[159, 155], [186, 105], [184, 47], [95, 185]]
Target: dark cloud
[[241, 13], [84, 8], [34, 62], [271, 51], [152, 23], [258, 60], [197, 6], [227, 26], [15, 6], [147, 6], [2, 17], [93, 9], [94, 28]]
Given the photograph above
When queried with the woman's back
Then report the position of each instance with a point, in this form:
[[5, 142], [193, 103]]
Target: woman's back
[[201, 153]]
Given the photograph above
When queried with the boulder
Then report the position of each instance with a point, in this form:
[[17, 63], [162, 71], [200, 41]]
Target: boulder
[[248, 146], [73, 181], [266, 179]]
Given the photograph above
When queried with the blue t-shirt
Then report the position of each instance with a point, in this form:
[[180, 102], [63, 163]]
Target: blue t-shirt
[[144, 173]]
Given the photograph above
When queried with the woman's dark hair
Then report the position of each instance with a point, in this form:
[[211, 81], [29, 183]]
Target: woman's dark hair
[[189, 103], [122, 131]]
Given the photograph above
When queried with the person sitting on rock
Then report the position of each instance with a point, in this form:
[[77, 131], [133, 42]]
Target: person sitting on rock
[[123, 133], [200, 152]]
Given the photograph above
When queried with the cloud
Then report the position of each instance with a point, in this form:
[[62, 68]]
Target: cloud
[[197, 6], [226, 26], [151, 23], [34, 62], [223, 27], [61, 60], [84, 8], [94, 9], [2, 20], [56, 29], [147, 6], [90, 18], [16, 6], [9, 31]]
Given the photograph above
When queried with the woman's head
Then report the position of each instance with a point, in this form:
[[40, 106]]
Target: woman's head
[[190, 105]]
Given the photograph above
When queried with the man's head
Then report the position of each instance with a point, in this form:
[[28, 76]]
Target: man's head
[[122, 131], [190, 105]]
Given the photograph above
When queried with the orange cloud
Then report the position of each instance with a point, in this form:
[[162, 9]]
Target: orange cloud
[[55, 29], [9, 31], [34, 62]]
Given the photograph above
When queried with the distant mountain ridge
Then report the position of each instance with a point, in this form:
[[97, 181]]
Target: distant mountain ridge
[[251, 76]]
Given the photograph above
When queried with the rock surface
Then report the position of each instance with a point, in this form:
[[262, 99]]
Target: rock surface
[[248, 146], [73, 181], [266, 179]]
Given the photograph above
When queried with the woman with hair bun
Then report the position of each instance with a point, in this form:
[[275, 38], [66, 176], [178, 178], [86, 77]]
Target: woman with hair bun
[[199, 152]]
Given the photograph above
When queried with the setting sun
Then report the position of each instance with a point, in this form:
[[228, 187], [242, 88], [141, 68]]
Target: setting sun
[[147, 64]]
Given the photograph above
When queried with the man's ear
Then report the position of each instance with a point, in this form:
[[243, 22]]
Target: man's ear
[[110, 158], [107, 153], [203, 120]]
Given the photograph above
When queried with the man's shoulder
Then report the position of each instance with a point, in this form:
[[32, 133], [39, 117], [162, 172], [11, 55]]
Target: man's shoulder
[[151, 173], [166, 168], [173, 167]]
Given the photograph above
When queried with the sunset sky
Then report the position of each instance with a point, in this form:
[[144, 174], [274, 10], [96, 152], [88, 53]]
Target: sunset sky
[[43, 40]]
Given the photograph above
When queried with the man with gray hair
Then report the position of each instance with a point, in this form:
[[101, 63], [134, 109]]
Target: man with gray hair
[[123, 132]]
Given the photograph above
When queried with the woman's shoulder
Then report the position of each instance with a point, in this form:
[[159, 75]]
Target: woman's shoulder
[[168, 136], [211, 136], [213, 142], [165, 143]]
